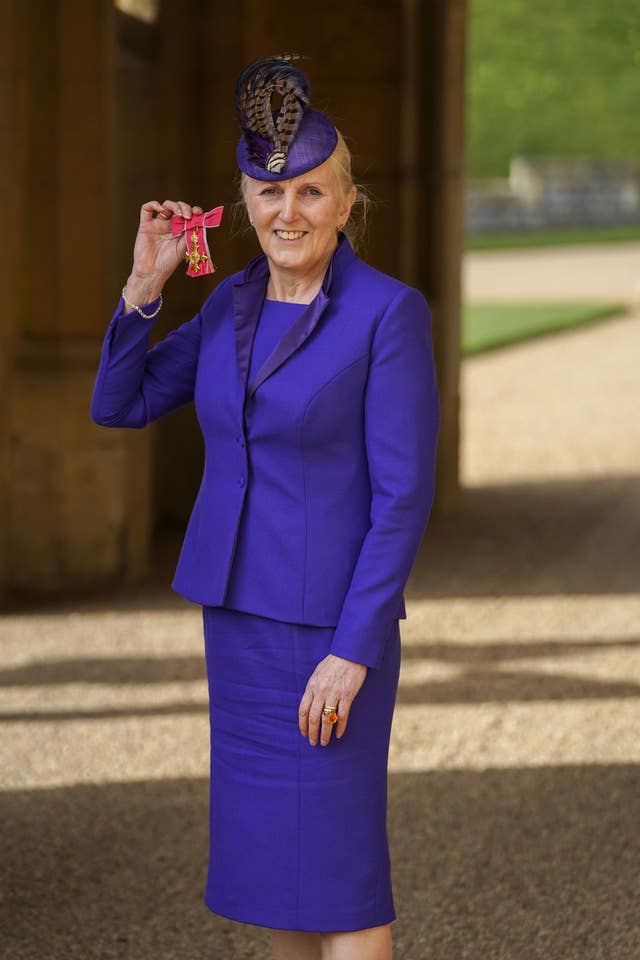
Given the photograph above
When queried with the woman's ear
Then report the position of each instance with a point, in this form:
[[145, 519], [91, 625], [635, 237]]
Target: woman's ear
[[345, 213]]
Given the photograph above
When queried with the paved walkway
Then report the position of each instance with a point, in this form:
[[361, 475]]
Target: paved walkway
[[608, 272], [514, 781]]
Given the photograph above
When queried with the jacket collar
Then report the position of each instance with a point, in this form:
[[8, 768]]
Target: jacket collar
[[248, 297]]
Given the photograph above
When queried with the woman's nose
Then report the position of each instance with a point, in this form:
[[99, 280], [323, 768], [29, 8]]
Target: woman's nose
[[289, 208]]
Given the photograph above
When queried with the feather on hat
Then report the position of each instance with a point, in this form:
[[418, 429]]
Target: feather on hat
[[284, 142]]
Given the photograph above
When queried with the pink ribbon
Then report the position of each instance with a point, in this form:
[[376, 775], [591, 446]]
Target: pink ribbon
[[197, 255]]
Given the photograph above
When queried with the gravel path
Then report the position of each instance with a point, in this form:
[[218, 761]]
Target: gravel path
[[514, 782], [608, 272]]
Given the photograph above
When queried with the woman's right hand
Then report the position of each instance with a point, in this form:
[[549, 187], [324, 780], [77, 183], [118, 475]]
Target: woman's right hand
[[156, 253]]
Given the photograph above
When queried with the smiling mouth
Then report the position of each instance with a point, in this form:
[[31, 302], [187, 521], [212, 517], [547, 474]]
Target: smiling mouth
[[290, 234]]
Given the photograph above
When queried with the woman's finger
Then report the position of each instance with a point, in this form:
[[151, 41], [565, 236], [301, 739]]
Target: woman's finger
[[333, 700], [303, 712], [152, 209], [310, 707], [179, 208], [172, 207], [315, 719], [343, 717]]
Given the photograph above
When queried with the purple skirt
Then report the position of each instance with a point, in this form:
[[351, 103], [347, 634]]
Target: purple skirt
[[298, 837]]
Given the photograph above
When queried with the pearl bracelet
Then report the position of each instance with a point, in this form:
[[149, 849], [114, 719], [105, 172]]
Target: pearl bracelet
[[132, 306]]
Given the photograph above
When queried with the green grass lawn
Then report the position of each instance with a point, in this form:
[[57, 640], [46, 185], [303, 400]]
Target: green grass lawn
[[551, 238], [488, 326]]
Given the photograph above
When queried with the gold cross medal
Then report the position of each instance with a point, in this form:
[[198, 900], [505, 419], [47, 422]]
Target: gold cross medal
[[197, 256]]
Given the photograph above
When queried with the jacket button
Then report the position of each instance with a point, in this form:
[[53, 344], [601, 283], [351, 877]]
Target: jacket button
[[242, 481]]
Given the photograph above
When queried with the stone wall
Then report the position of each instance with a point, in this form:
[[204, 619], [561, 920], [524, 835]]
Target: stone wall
[[550, 192]]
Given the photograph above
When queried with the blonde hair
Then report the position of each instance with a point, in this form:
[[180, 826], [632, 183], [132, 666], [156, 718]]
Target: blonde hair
[[356, 223]]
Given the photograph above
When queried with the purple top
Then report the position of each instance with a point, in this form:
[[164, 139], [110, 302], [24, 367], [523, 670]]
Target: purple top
[[275, 319]]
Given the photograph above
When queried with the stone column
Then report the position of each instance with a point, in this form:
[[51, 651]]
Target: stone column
[[14, 94], [433, 197], [76, 495]]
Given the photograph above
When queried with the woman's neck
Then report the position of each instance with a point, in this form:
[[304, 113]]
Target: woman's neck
[[288, 286]]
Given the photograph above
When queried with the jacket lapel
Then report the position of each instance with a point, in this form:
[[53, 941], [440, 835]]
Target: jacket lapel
[[248, 298], [291, 340]]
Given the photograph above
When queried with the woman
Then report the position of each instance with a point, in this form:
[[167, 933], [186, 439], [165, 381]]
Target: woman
[[314, 386]]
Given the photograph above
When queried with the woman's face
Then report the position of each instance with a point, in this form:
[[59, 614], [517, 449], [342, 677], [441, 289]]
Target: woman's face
[[296, 220]]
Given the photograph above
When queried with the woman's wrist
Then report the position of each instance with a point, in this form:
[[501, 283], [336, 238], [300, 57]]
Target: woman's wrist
[[144, 294], [142, 291]]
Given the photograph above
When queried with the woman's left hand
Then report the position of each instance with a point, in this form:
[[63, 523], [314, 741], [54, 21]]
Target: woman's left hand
[[334, 683]]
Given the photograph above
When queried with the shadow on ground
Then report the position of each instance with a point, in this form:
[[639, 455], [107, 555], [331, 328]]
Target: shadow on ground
[[527, 539], [480, 678], [534, 539], [489, 865]]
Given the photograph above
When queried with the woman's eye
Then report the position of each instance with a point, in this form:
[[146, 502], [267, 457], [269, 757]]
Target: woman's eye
[[268, 192]]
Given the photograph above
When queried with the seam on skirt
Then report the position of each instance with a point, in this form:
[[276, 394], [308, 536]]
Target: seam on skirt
[[379, 866], [297, 688]]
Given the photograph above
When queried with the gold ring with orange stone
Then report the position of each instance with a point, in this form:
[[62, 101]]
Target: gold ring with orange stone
[[330, 714]]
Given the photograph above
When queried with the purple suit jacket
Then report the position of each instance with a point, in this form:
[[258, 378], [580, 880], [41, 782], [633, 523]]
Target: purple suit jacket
[[319, 475]]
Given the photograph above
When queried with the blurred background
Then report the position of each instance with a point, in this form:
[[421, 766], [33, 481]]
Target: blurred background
[[500, 140]]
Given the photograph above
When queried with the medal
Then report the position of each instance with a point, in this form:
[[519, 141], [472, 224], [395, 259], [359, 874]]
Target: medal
[[197, 256]]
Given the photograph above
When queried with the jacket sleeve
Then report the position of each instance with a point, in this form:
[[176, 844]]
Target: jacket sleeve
[[402, 420], [135, 385]]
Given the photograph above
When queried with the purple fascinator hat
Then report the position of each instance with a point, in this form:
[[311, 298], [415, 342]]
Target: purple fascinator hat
[[280, 142]]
